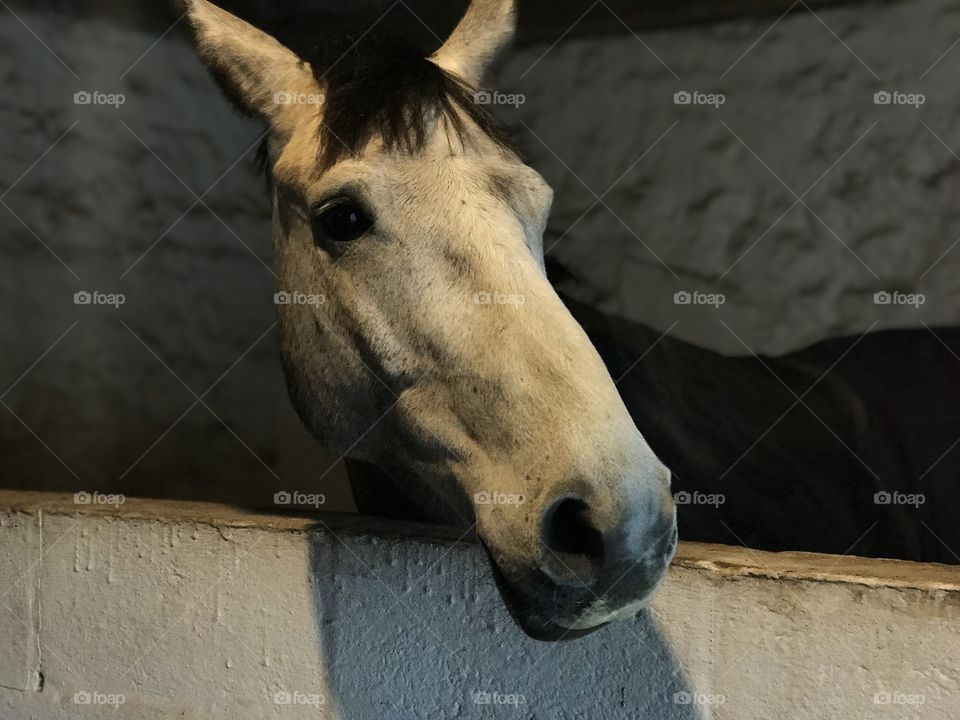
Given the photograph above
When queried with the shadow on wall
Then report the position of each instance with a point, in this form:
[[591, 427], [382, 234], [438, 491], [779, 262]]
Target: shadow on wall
[[440, 602]]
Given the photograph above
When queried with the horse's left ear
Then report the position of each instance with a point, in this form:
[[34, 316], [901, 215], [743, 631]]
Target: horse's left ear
[[487, 26], [255, 71]]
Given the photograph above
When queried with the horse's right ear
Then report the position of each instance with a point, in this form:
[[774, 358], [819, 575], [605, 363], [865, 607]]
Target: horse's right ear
[[486, 27], [256, 72]]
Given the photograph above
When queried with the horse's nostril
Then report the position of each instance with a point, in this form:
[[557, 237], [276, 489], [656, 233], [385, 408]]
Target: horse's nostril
[[574, 544]]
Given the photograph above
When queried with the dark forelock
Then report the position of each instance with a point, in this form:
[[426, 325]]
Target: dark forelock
[[377, 85]]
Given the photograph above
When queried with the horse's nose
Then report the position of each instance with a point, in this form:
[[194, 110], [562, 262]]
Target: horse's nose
[[583, 545], [574, 547], [599, 552]]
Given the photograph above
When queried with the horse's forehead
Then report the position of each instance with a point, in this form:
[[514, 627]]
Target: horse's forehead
[[459, 167]]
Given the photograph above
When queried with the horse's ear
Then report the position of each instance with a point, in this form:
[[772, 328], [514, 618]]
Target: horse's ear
[[256, 72], [487, 26]]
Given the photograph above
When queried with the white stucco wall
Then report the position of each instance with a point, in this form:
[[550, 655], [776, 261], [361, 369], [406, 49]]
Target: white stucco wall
[[192, 611], [799, 95], [102, 399]]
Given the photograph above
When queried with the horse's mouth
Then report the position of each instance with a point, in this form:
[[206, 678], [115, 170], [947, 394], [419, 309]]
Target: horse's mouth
[[533, 625]]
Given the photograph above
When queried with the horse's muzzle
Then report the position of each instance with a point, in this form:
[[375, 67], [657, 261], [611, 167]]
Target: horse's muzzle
[[589, 572]]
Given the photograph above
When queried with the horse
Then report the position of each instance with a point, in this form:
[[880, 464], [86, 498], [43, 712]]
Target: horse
[[419, 332]]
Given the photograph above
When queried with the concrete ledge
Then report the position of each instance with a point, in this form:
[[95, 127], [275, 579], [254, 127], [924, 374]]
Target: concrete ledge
[[726, 561], [159, 609]]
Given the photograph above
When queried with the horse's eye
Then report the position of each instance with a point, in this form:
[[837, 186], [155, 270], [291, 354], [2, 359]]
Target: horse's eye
[[342, 221]]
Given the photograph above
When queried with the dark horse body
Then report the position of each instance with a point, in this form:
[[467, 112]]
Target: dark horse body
[[877, 415], [803, 475]]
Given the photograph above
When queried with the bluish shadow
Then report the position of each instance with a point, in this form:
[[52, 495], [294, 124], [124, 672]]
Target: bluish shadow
[[416, 629]]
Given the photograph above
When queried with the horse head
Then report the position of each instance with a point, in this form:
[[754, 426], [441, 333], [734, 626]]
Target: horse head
[[418, 329]]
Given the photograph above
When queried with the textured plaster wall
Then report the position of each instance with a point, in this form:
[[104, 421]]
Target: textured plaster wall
[[115, 400], [699, 197], [202, 618]]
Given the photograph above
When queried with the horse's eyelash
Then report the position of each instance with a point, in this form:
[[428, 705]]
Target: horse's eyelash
[[338, 198]]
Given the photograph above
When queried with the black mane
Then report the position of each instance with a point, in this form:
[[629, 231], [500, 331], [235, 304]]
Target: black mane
[[378, 85]]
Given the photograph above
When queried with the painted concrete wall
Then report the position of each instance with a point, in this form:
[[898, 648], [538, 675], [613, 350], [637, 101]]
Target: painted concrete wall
[[160, 611], [705, 197], [115, 400]]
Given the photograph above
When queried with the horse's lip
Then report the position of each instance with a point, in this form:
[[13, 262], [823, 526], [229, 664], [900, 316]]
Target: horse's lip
[[552, 632], [535, 628]]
